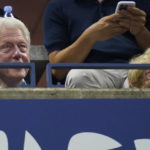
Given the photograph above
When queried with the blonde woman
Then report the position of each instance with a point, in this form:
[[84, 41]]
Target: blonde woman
[[140, 78]]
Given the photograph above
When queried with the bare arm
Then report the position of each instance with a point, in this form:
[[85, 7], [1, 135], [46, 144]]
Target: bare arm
[[103, 29], [143, 39], [76, 52]]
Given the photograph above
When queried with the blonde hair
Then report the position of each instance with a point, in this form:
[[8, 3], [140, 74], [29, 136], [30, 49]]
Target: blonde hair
[[135, 75], [10, 22]]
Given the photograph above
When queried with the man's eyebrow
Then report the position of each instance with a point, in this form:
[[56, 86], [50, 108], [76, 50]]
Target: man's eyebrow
[[4, 43], [22, 42]]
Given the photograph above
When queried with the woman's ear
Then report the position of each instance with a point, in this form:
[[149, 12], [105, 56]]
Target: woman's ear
[[131, 85], [135, 85]]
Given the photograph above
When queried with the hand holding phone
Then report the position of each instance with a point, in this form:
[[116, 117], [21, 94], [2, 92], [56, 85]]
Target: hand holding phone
[[133, 20], [124, 5]]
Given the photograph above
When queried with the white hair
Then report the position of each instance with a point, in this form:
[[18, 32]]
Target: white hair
[[10, 22]]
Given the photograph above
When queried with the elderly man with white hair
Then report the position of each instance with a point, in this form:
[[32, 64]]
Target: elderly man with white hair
[[14, 47]]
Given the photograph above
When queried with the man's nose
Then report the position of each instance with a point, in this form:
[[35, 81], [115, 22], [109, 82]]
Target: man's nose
[[16, 52]]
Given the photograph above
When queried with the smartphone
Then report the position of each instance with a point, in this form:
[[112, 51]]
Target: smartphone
[[124, 5]]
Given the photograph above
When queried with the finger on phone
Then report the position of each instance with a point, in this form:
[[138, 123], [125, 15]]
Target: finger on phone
[[136, 11]]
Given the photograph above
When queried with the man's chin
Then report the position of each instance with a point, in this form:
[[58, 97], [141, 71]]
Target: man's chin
[[15, 76], [14, 73]]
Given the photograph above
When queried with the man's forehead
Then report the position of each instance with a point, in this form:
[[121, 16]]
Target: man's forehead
[[6, 30], [9, 33]]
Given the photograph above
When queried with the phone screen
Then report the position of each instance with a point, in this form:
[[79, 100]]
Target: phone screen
[[123, 6]]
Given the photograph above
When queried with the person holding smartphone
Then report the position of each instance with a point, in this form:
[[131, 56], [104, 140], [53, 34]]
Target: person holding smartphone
[[89, 31]]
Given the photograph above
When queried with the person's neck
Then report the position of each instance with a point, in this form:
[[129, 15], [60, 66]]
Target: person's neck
[[10, 83], [100, 0]]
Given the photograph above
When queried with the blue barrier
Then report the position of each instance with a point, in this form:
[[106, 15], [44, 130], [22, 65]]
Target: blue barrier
[[31, 66], [50, 124], [51, 66]]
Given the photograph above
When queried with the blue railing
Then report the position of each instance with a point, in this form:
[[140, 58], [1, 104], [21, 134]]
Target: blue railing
[[51, 66], [31, 66]]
